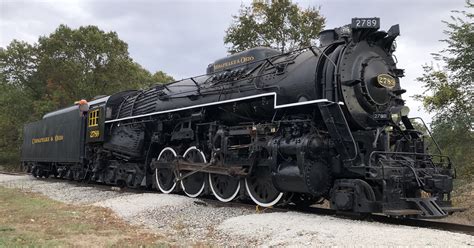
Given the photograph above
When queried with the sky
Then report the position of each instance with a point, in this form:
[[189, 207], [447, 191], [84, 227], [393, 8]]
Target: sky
[[182, 37]]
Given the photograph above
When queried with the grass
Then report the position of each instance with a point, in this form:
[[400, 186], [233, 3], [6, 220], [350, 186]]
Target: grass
[[10, 167], [463, 196], [32, 220]]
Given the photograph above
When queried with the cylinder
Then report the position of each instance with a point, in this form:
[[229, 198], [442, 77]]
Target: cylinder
[[288, 178]]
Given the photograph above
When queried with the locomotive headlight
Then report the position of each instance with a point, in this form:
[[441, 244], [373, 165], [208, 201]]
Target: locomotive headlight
[[395, 118], [404, 111], [398, 112]]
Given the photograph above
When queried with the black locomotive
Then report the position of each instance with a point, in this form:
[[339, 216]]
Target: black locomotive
[[323, 122]]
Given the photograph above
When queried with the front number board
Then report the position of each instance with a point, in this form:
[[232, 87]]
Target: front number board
[[381, 116], [366, 23]]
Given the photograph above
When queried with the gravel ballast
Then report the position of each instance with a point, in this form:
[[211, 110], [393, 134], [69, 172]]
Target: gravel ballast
[[285, 229], [190, 221], [63, 191]]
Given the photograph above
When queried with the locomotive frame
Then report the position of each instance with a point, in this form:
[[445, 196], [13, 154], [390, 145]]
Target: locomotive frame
[[316, 123]]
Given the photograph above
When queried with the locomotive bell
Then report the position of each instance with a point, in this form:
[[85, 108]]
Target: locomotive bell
[[327, 37]]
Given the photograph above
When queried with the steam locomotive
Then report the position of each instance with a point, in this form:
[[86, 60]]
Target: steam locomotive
[[322, 122]]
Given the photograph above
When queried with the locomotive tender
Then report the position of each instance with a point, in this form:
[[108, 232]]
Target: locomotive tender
[[325, 122]]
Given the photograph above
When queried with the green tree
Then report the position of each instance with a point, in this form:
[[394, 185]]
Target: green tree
[[15, 110], [17, 67], [449, 92], [65, 66], [279, 24], [162, 78], [85, 62]]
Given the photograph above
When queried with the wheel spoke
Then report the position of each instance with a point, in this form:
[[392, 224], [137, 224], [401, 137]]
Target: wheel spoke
[[260, 188], [194, 185], [225, 188]]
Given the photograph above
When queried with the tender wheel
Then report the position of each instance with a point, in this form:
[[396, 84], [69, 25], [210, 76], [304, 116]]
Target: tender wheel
[[62, 173], [193, 185], [225, 188], [35, 171], [260, 187], [164, 177]]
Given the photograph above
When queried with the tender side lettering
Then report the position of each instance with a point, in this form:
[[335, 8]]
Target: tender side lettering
[[55, 138], [240, 60]]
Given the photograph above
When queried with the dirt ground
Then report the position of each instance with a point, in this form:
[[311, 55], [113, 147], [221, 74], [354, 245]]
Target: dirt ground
[[463, 196]]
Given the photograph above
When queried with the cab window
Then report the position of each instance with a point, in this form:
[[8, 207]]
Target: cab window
[[94, 118]]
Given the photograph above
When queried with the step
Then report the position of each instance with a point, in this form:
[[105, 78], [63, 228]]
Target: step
[[403, 212], [430, 208]]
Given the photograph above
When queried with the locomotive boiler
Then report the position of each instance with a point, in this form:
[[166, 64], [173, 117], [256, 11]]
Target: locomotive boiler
[[322, 122]]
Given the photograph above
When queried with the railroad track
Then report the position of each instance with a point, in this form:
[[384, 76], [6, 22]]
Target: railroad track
[[440, 225], [431, 224], [13, 173], [424, 223]]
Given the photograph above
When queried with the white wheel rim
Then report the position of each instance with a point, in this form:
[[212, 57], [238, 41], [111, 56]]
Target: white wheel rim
[[156, 172], [220, 198], [260, 203], [204, 182]]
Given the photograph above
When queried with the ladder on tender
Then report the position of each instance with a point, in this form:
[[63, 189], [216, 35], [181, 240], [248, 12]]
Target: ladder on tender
[[339, 130]]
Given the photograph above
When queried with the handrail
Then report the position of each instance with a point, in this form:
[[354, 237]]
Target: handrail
[[256, 62], [429, 132], [408, 153], [356, 153], [407, 165]]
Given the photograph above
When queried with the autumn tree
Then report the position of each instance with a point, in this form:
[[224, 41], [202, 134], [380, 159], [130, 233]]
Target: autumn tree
[[279, 24], [449, 92]]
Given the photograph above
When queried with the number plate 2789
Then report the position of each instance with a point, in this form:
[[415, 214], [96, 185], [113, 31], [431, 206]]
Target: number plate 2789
[[366, 23]]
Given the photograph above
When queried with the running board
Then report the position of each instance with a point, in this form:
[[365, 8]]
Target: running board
[[429, 207]]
